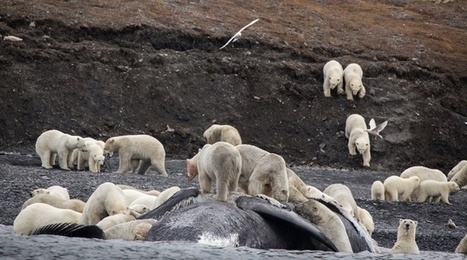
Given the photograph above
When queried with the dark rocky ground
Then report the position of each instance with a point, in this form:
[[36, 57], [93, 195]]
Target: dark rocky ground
[[21, 173], [110, 67]]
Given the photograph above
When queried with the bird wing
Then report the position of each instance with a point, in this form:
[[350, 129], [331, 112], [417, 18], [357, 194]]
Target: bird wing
[[238, 33]]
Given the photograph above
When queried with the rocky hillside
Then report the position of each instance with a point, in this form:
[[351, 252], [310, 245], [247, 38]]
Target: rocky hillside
[[110, 67]]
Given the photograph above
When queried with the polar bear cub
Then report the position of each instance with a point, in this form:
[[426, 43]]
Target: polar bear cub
[[406, 243], [344, 197], [226, 133], [377, 190], [40, 214], [395, 186], [74, 204], [356, 132], [429, 190], [220, 162], [130, 148], [353, 74], [333, 74], [53, 142]]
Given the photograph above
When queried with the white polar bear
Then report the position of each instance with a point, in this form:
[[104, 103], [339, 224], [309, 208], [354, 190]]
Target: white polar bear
[[344, 197], [226, 133], [366, 220], [406, 243], [220, 162], [395, 186], [93, 157], [456, 168], [165, 195], [431, 190], [298, 190], [315, 193], [113, 220], [106, 200], [149, 192], [460, 177], [40, 214], [462, 246], [132, 230], [263, 173], [328, 222], [53, 142], [377, 190], [148, 201], [74, 204], [333, 74], [132, 195], [353, 74], [356, 132], [138, 209], [424, 174], [144, 148], [57, 191]]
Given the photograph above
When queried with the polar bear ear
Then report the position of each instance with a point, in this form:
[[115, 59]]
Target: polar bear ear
[[400, 220], [416, 222]]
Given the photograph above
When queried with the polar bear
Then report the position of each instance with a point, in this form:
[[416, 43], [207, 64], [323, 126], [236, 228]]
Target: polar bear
[[460, 177], [344, 197], [138, 209], [298, 190], [106, 200], [395, 186], [406, 243], [81, 158], [74, 204], [137, 147], [148, 201], [41, 214], [356, 132], [328, 222], [333, 74], [366, 220], [377, 190], [132, 230], [147, 192], [132, 195], [263, 173], [53, 142], [353, 74], [424, 174], [462, 247], [226, 133], [456, 168], [429, 190], [165, 195], [113, 220], [220, 162], [55, 190]]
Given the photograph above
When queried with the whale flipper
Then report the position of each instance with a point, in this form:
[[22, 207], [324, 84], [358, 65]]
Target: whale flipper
[[70, 230]]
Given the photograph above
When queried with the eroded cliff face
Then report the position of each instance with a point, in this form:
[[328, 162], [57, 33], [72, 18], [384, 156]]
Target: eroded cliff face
[[125, 67]]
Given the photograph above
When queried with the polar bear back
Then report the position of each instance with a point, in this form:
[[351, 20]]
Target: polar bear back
[[377, 190], [353, 122], [424, 173], [250, 156], [41, 214], [343, 195], [140, 146], [226, 133], [461, 177], [395, 185], [456, 168], [331, 67], [353, 70], [75, 204]]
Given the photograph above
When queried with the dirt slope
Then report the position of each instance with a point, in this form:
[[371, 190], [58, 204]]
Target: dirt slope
[[104, 68]]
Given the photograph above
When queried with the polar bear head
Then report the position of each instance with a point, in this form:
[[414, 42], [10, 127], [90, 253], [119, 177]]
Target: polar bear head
[[78, 142], [191, 169], [355, 86], [39, 191], [453, 187], [334, 79], [407, 228], [110, 146], [99, 158], [362, 143]]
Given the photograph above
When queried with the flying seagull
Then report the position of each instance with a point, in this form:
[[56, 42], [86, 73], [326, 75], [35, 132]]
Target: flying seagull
[[238, 34], [375, 129]]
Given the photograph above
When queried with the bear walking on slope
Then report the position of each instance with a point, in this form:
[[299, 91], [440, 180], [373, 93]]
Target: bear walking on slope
[[353, 74], [333, 74]]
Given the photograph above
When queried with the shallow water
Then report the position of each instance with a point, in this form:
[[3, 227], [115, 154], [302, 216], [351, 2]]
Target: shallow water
[[55, 247]]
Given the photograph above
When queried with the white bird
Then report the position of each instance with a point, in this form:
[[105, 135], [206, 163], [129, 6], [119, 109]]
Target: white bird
[[375, 129], [238, 34]]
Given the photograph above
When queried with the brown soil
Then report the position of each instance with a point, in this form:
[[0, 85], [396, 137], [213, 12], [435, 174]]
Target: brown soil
[[101, 68], [104, 68]]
